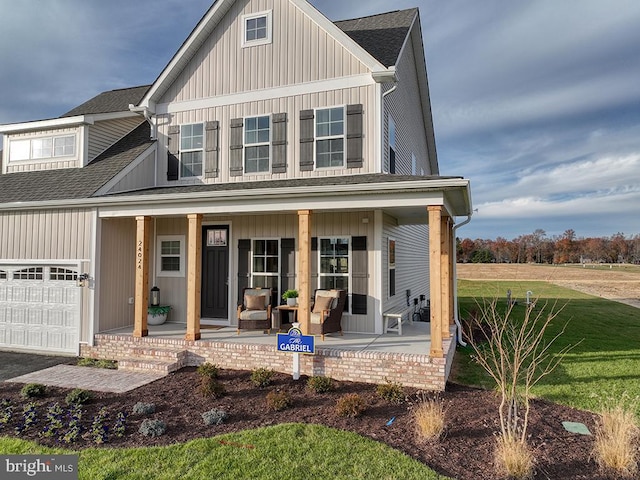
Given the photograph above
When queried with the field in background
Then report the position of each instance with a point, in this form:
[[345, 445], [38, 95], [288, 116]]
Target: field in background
[[605, 334], [614, 282]]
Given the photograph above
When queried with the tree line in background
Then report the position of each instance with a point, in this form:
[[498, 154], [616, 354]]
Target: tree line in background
[[536, 247]]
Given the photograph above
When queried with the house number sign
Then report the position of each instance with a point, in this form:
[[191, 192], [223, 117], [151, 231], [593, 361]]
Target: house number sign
[[140, 254]]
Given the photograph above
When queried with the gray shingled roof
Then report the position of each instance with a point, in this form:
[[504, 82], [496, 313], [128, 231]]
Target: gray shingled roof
[[361, 179], [111, 101], [381, 35], [75, 183]]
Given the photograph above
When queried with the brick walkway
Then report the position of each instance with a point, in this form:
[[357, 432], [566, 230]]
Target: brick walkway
[[87, 378]]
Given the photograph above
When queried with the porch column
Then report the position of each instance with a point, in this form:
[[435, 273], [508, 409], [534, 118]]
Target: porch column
[[435, 280], [452, 273], [304, 270], [194, 276], [445, 265], [143, 235]]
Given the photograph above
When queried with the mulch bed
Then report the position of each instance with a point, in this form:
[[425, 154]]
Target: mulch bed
[[465, 452]]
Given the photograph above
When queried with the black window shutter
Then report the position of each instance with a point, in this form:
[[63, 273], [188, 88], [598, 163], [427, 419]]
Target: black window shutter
[[279, 143], [359, 275], [307, 128], [173, 163], [237, 144], [354, 136], [314, 264], [244, 260], [211, 150], [287, 265]]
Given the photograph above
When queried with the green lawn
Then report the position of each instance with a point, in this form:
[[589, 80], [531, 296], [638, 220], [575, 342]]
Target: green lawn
[[605, 360], [289, 451]]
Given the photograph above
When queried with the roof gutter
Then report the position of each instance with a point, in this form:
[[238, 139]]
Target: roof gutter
[[455, 281], [148, 116]]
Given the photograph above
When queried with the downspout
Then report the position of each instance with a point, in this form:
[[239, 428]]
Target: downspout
[[384, 94], [149, 116], [456, 318]]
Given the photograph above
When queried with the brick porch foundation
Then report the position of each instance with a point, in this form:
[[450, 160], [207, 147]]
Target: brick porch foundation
[[166, 355]]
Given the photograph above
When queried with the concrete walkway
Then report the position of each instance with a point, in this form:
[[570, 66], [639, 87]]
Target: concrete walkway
[[88, 378]]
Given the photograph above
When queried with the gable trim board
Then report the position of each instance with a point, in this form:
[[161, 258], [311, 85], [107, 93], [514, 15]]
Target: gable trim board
[[267, 94]]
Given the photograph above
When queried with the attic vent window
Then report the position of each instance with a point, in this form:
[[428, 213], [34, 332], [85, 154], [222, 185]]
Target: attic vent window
[[256, 29]]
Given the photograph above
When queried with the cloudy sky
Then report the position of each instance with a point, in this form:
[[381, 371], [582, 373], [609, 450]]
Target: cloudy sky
[[536, 102]]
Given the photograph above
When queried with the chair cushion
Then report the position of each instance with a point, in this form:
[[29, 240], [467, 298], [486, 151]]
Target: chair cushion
[[315, 317], [322, 303], [335, 294], [254, 302], [253, 315]]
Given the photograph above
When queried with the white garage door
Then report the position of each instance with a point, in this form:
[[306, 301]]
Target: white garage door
[[40, 308]]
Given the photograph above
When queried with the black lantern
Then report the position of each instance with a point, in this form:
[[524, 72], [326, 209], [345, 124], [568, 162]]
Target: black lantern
[[155, 297]]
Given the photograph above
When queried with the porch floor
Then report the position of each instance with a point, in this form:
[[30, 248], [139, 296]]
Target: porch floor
[[415, 338]]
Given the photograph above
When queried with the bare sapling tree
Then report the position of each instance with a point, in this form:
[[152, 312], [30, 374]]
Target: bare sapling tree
[[515, 351]]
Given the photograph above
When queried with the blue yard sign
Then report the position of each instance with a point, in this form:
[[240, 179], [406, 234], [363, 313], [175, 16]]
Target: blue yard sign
[[295, 342]]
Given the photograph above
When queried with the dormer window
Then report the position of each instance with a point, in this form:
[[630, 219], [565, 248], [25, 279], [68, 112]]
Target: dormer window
[[42, 147], [256, 29]]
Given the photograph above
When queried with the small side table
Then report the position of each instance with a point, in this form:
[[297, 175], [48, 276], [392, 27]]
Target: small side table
[[277, 324]]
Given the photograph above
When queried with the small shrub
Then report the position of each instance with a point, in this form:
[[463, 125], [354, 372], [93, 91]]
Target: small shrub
[[142, 408], [86, 362], [278, 400], [120, 425], [211, 388], [261, 377], [97, 363], [320, 384], [99, 430], [214, 417], [351, 405], [615, 439], [33, 390], [152, 428], [429, 418], [391, 392], [108, 364], [77, 396], [208, 370], [513, 458]]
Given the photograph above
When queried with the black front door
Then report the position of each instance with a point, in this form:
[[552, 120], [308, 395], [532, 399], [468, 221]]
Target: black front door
[[215, 271]]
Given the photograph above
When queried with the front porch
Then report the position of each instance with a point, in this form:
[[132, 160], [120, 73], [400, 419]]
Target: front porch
[[367, 358]]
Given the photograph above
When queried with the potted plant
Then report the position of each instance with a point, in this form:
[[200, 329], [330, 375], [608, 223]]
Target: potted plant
[[291, 297], [157, 315]]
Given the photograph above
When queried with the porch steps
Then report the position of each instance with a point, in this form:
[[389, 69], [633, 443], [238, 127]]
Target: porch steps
[[153, 359]]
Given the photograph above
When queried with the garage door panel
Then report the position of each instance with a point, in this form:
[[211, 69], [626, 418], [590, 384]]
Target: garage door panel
[[40, 308]]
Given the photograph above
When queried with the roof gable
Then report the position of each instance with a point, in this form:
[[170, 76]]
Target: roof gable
[[216, 15]]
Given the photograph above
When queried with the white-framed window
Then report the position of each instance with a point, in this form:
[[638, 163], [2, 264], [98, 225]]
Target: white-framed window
[[330, 138], [392, 145], [42, 147], [257, 28], [3, 275], [391, 252], [257, 148], [64, 146], [265, 264], [170, 256], [191, 150], [334, 265]]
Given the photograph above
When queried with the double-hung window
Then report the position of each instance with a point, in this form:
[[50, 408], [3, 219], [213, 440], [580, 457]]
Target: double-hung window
[[170, 256], [256, 144], [330, 128], [334, 263], [191, 150], [265, 271]]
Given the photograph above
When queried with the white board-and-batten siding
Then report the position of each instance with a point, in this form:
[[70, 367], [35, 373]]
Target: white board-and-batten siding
[[46, 234], [300, 52]]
